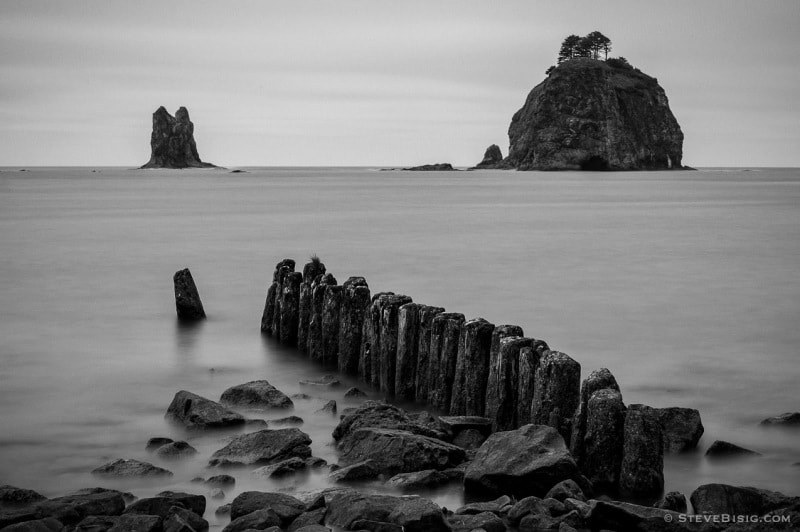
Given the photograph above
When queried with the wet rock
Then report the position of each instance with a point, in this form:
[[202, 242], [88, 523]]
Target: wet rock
[[255, 424], [473, 356], [263, 447], [183, 520], [723, 449], [366, 470], [311, 270], [486, 521], [354, 392], [416, 514], [597, 380], [291, 421], [307, 520], [469, 439], [11, 496], [788, 419], [355, 300], [71, 509], [255, 394], [412, 514], [738, 500], [328, 381], [286, 507], [124, 467], [223, 510], [331, 307], [496, 506], [155, 443], [398, 451], [175, 451], [290, 307], [407, 349], [310, 528], [197, 413], [172, 143], [122, 523], [379, 415], [217, 493], [328, 408], [674, 500], [418, 480], [422, 383], [437, 167], [187, 299], [453, 425], [681, 428], [265, 519], [368, 525], [537, 522], [566, 489], [492, 158], [613, 515], [283, 468], [501, 392], [556, 392], [445, 337], [315, 462], [522, 462], [604, 440], [162, 503], [642, 470]]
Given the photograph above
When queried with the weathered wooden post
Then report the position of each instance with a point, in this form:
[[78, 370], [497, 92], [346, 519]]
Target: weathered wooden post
[[422, 384], [389, 310], [273, 294], [601, 459], [330, 325], [290, 307], [477, 343], [187, 299], [368, 366], [310, 272], [501, 388], [529, 358], [315, 341], [597, 380], [556, 392], [407, 349], [355, 300], [283, 272], [642, 470], [445, 340]]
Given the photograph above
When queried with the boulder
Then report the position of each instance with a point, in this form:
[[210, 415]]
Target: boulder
[[71, 509], [355, 300], [613, 515], [604, 439], [566, 489], [255, 394], [496, 506], [182, 520], [263, 447], [422, 383], [738, 500], [197, 413], [307, 520], [190, 501], [11, 496], [353, 393], [126, 467], [283, 468], [556, 392], [486, 521], [469, 439], [681, 428], [416, 514], [172, 143], [187, 299], [175, 451], [723, 449], [265, 519], [674, 500], [642, 470], [366, 470], [155, 443], [418, 480], [310, 528], [597, 380], [379, 415], [788, 419], [522, 462], [326, 381], [453, 425], [413, 514], [286, 507], [121, 523], [398, 451], [328, 408], [492, 158], [221, 481], [290, 421]]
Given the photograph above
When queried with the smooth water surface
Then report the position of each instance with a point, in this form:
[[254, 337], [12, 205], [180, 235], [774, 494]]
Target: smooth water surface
[[684, 284]]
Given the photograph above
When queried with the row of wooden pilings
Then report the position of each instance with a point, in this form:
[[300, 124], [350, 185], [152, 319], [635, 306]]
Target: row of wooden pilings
[[415, 352]]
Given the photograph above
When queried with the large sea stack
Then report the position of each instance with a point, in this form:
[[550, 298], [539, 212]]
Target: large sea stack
[[591, 114], [172, 141]]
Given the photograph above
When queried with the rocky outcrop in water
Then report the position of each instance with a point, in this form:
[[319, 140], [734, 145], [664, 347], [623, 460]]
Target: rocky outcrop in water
[[172, 142], [592, 115], [492, 158], [187, 298]]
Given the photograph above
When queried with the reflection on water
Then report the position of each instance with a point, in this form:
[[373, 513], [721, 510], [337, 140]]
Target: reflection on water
[[187, 334]]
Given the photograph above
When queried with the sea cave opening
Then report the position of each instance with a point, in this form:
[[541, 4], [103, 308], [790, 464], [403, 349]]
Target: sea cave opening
[[595, 163]]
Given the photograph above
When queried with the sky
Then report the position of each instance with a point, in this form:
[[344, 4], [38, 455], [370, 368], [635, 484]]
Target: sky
[[375, 82]]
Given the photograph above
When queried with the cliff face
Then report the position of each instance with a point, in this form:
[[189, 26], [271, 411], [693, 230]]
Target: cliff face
[[590, 115], [172, 141]]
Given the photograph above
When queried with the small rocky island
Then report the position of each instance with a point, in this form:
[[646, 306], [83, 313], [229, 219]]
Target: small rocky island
[[172, 142]]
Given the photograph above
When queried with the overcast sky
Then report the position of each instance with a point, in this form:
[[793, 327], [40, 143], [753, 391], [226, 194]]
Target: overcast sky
[[374, 82]]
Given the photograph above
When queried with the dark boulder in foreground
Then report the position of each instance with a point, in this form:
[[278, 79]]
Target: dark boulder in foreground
[[172, 142], [738, 500], [723, 449], [492, 158], [197, 413], [642, 471], [187, 299], [397, 451], [681, 428], [613, 515], [522, 462], [263, 447], [71, 509], [379, 415], [438, 167], [255, 394], [286, 507], [347, 507], [674, 500], [13, 496], [123, 467], [788, 419], [121, 523], [175, 451]]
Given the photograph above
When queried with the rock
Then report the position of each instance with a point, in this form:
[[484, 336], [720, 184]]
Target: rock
[[331, 306], [438, 167], [272, 304], [355, 300], [738, 500], [723, 449], [418, 480], [165, 500], [674, 500], [397, 451], [263, 447], [324, 381], [469, 439], [604, 441], [255, 394], [501, 392], [486, 521], [524, 507], [445, 336], [613, 515], [187, 299], [642, 471], [315, 462], [522, 462], [172, 142], [281, 469], [257, 520], [379, 415], [286, 507], [292, 421], [255, 424], [384, 353], [221, 481], [121, 523], [311, 271], [788, 419], [589, 115], [315, 345], [123, 467], [566, 489], [496, 506], [473, 356], [453, 425], [198, 413], [556, 392], [597, 380], [537, 522], [492, 158], [368, 525], [310, 528], [223, 510], [290, 307], [407, 349], [527, 365], [217, 493], [414, 514], [183, 520], [422, 384], [71, 509], [308, 519], [11, 496], [328, 408], [681, 428], [155, 443], [354, 392], [175, 451], [365, 470], [554, 507]]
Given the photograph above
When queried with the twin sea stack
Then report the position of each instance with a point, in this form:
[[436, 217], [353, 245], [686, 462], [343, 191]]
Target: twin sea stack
[[172, 142]]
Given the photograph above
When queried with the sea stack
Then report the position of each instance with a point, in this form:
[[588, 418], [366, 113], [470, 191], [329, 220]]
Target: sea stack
[[591, 114], [187, 299], [172, 142], [492, 158]]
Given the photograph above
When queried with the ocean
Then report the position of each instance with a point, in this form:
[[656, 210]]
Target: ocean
[[684, 284]]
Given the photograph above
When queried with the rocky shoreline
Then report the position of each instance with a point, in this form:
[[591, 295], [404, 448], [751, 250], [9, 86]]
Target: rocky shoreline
[[531, 445]]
